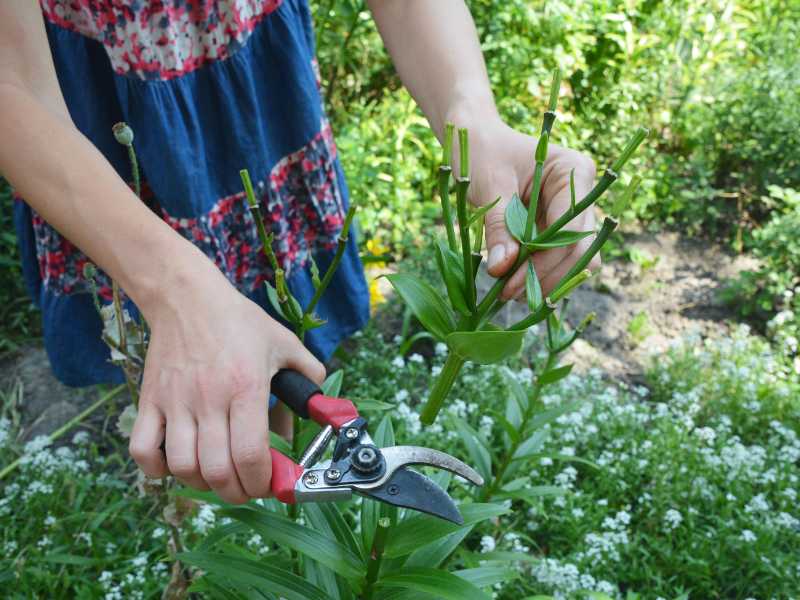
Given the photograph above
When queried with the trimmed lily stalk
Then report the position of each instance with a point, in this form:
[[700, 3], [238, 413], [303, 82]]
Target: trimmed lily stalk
[[376, 556], [280, 297], [463, 323], [445, 171], [462, 186]]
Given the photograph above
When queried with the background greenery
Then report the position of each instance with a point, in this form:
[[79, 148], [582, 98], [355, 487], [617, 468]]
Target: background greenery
[[718, 82]]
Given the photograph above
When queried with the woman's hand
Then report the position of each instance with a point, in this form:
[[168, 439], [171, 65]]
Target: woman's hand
[[502, 164], [211, 358]]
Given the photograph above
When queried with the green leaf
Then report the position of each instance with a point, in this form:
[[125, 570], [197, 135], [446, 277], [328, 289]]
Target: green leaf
[[533, 493], [277, 442], [512, 431], [72, 559], [425, 302], [333, 383], [312, 322], [516, 216], [506, 557], [563, 238], [566, 458], [219, 533], [487, 576], [433, 554], [533, 289], [326, 518], [452, 271], [554, 375], [418, 530], [516, 389], [248, 573], [531, 445], [287, 533], [479, 454], [485, 347], [541, 419], [368, 404], [272, 295], [442, 584], [482, 211]]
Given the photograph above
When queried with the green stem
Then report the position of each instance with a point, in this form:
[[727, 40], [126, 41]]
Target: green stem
[[137, 184], [533, 203], [533, 400], [462, 185], [376, 556], [444, 382], [69, 424], [444, 196], [337, 258]]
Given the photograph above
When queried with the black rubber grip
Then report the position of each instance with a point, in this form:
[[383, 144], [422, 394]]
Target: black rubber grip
[[295, 390]]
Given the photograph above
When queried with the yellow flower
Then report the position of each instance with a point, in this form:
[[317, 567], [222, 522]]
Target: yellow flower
[[376, 296]]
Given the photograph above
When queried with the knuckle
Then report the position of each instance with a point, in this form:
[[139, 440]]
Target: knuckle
[[139, 452], [241, 380], [250, 455], [182, 467], [217, 476]]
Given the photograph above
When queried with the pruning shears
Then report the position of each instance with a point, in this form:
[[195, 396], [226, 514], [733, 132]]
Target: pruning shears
[[357, 465]]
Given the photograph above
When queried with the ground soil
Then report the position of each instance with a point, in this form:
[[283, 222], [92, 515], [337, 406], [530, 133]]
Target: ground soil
[[640, 311]]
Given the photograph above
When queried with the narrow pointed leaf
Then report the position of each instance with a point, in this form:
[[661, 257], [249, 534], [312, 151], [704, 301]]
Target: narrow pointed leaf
[[516, 216], [433, 554], [419, 530], [482, 211], [425, 302], [272, 295], [333, 383], [554, 375], [532, 494], [442, 584], [482, 577], [248, 573], [287, 533], [531, 445], [326, 518], [559, 240], [548, 416], [485, 347], [479, 454], [515, 387], [533, 289], [312, 322], [452, 272]]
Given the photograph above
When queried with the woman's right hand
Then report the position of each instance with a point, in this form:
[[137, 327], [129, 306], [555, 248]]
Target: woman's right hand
[[211, 358]]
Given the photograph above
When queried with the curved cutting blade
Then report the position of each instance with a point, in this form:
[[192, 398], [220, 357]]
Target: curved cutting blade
[[410, 489], [400, 456]]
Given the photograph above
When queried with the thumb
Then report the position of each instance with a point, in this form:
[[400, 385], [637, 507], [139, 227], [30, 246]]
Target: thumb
[[296, 356], [502, 247]]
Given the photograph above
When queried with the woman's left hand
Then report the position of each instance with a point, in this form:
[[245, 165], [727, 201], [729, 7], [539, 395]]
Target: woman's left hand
[[502, 164]]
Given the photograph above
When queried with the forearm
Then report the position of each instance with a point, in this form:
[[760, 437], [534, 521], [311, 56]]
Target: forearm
[[67, 181], [442, 65]]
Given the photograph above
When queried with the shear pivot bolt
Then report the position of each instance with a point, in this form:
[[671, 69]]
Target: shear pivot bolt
[[333, 473], [351, 433], [311, 479]]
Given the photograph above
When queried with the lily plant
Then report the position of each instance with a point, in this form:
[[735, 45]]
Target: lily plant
[[462, 321]]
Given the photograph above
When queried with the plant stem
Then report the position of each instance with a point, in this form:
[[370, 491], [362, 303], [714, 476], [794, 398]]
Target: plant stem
[[123, 342], [447, 376], [444, 196], [462, 185], [69, 424], [533, 400], [533, 203], [137, 184], [376, 556], [337, 258]]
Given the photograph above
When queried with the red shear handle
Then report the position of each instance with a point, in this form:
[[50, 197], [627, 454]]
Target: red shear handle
[[304, 397], [335, 412], [285, 473]]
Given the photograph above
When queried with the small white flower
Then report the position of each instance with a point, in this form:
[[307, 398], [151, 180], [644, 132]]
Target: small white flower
[[748, 536], [80, 438], [401, 395], [416, 358], [440, 349], [398, 362], [488, 544], [672, 519]]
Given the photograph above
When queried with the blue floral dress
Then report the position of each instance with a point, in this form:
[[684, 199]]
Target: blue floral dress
[[209, 87]]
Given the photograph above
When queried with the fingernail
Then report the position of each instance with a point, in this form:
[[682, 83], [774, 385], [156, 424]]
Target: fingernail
[[496, 255]]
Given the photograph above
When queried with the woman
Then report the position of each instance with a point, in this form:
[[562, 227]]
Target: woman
[[210, 87]]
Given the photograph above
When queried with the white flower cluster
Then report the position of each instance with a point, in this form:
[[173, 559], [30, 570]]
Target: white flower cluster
[[565, 579]]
